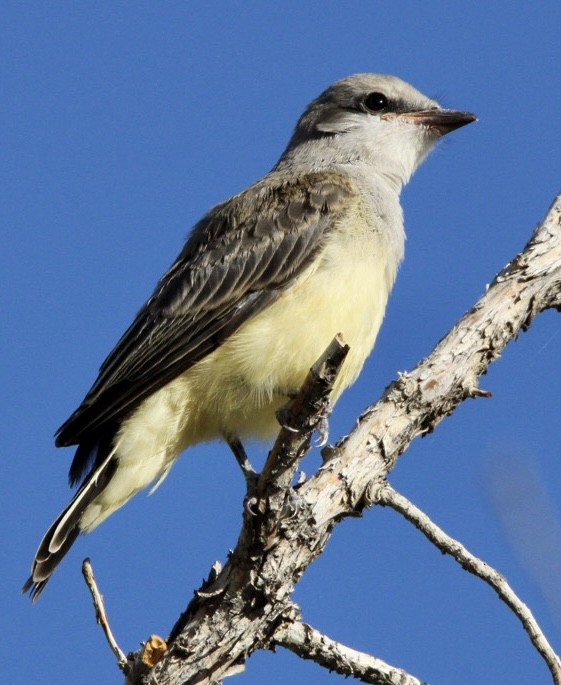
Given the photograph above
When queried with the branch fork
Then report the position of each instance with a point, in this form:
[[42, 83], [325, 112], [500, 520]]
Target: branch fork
[[246, 605]]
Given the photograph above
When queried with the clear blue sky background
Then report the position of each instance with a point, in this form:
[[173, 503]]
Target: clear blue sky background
[[120, 124]]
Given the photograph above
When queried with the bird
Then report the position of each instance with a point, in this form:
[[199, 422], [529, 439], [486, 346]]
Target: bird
[[263, 283]]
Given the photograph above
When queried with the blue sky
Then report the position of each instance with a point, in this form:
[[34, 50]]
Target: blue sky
[[120, 124]]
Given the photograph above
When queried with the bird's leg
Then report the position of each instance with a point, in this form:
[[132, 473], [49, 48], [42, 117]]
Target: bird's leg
[[248, 471]]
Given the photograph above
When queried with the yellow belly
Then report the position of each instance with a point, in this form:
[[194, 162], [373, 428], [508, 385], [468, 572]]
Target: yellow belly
[[236, 390]]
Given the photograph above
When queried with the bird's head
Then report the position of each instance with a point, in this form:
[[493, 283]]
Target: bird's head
[[371, 119]]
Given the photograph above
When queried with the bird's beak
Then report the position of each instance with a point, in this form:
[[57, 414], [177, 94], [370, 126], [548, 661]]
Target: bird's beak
[[442, 120]]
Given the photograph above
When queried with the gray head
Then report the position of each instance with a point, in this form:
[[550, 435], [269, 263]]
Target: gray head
[[370, 119]]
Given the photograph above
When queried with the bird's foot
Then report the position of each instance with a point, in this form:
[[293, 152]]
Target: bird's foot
[[322, 428]]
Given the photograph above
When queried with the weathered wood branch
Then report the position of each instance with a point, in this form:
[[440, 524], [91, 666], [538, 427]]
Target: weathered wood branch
[[469, 562], [242, 606], [309, 643], [101, 614]]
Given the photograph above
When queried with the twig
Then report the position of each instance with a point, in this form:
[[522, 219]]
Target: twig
[[448, 545], [309, 643], [101, 615]]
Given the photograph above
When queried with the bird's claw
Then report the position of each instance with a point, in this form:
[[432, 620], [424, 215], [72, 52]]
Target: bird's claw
[[322, 428], [250, 505]]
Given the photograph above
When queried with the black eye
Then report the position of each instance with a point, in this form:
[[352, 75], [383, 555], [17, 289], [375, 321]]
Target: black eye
[[375, 102]]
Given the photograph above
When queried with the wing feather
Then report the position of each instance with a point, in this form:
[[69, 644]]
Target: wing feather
[[238, 260]]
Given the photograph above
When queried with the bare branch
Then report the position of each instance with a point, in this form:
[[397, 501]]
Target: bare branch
[[448, 545], [290, 527], [101, 614], [417, 401], [309, 643]]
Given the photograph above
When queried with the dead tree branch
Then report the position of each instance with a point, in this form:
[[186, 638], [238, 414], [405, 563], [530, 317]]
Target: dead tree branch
[[468, 561], [309, 643], [241, 607], [101, 614]]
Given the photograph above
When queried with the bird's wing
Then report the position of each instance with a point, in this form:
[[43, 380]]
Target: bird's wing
[[238, 259]]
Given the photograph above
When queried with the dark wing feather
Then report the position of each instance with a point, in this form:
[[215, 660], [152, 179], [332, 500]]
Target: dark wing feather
[[236, 262]]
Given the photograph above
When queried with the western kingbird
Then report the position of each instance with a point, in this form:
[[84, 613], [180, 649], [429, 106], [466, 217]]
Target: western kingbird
[[263, 284]]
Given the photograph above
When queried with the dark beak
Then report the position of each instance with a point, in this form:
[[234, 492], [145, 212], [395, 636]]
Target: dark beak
[[442, 120]]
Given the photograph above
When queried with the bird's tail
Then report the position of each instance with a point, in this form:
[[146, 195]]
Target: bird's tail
[[62, 533]]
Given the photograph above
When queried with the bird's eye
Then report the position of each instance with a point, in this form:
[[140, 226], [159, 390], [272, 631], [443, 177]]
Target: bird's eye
[[375, 102]]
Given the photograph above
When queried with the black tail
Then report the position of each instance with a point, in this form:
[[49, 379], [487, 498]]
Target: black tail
[[60, 536]]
